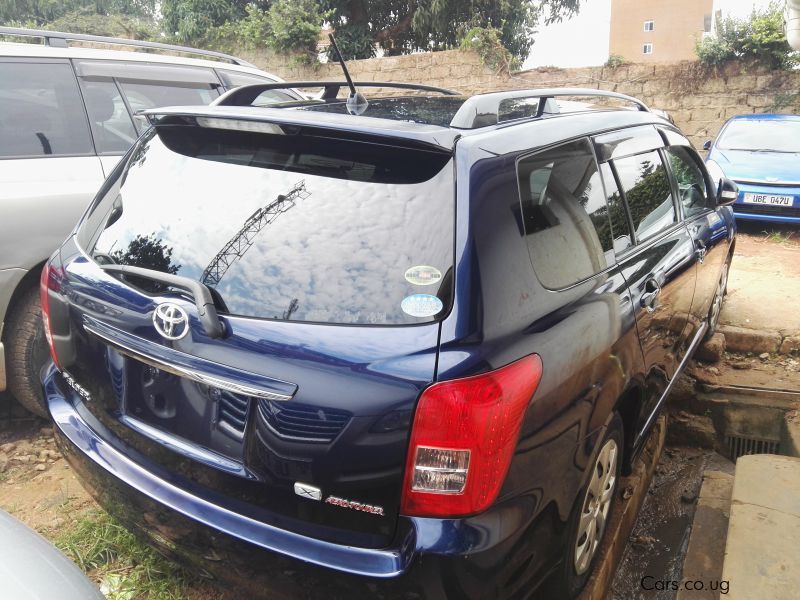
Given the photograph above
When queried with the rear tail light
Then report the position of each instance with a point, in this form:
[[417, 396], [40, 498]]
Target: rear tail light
[[463, 438], [46, 283]]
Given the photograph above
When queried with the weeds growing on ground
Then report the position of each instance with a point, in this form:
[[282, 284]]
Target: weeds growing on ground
[[778, 237], [124, 567]]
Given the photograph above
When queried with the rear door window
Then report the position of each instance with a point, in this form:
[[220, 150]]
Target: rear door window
[[295, 226], [648, 193], [41, 113], [565, 214]]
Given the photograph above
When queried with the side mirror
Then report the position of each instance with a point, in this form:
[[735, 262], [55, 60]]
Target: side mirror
[[707, 145], [727, 192]]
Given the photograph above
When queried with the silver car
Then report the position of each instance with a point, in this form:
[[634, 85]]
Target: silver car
[[67, 114]]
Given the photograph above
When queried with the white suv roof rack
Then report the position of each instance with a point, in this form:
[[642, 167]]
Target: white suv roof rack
[[59, 39]]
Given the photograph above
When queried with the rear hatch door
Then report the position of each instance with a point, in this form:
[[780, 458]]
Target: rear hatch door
[[328, 261]]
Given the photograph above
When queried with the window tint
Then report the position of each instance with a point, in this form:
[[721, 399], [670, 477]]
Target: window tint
[[41, 113], [111, 124], [647, 192], [565, 214], [299, 229], [142, 96], [692, 187]]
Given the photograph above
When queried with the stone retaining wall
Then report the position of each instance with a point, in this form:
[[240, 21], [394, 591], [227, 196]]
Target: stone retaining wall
[[699, 100]]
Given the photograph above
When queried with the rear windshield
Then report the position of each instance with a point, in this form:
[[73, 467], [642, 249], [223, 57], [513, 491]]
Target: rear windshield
[[291, 227]]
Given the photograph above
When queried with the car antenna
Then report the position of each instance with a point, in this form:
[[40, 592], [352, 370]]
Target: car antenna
[[356, 102]]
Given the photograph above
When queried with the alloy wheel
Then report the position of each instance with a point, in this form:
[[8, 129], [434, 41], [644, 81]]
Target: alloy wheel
[[596, 506]]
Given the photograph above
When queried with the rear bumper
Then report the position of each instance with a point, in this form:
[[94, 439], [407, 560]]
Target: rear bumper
[[116, 479], [474, 557]]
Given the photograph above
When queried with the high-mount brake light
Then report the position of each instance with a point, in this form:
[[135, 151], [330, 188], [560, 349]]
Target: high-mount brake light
[[48, 282], [463, 439], [239, 125]]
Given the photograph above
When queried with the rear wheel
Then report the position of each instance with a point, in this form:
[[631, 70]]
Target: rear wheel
[[587, 526], [719, 296], [27, 352]]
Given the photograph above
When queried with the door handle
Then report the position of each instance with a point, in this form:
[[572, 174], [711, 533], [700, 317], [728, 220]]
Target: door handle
[[700, 251], [652, 291]]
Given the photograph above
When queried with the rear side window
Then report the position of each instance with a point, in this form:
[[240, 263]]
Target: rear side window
[[648, 194], [565, 214], [41, 113], [111, 124], [289, 227], [234, 79], [144, 95]]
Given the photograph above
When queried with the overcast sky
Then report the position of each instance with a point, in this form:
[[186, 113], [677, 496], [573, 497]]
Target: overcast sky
[[583, 41]]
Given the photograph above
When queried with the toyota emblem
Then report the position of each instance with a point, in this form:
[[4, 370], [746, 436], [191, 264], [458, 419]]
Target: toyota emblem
[[171, 321]]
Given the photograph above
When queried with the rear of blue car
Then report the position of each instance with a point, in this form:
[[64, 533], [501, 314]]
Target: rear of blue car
[[244, 332]]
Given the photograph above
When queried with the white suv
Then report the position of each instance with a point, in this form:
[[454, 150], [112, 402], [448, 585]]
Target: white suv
[[67, 115]]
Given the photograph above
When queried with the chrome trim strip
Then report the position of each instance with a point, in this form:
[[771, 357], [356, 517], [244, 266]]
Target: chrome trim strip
[[698, 337], [186, 448], [194, 375]]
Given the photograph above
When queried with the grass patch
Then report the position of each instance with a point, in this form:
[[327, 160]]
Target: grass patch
[[778, 237], [124, 567]]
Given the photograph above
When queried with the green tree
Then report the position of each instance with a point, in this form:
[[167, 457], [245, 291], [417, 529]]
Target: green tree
[[41, 12], [403, 26], [760, 39], [192, 20]]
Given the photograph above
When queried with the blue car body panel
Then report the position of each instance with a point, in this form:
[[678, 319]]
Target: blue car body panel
[[761, 172]]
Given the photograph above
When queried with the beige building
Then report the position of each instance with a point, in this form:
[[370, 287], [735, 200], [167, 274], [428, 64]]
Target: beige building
[[658, 30]]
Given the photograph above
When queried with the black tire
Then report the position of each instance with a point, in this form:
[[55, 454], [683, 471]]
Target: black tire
[[572, 579], [719, 297], [27, 352]]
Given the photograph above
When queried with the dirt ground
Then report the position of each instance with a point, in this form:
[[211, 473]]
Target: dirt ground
[[764, 282], [37, 486]]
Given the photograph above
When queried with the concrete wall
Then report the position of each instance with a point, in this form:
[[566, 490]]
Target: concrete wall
[[677, 25], [699, 100]]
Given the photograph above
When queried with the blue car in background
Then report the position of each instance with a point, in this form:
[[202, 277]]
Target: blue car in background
[[761, 153]]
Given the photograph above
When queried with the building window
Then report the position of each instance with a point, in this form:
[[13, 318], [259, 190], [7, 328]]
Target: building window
[[649, 25], [707, 24], [647, 49]]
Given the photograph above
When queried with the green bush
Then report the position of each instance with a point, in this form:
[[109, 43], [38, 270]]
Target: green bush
[[615, 60], [759, 39]]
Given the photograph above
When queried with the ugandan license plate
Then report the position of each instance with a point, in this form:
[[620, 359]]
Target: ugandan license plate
[[770, 199]]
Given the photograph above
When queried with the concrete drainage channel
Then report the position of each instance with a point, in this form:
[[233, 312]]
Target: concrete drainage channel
[[679, 538]]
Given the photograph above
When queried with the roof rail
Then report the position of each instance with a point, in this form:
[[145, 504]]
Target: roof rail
[[58, 39], [244, 95], [483, 110]]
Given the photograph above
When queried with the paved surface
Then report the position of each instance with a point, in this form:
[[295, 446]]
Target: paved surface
[[763, 290], [762, 556]]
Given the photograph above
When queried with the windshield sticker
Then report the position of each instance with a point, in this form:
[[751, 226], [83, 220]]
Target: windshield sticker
[[423, 275], [421, 305]]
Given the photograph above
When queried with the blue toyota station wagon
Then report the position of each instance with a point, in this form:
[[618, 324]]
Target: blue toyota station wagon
[[416, 345]]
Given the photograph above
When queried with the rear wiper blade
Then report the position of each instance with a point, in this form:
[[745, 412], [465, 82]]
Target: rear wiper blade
[[201, 294]]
